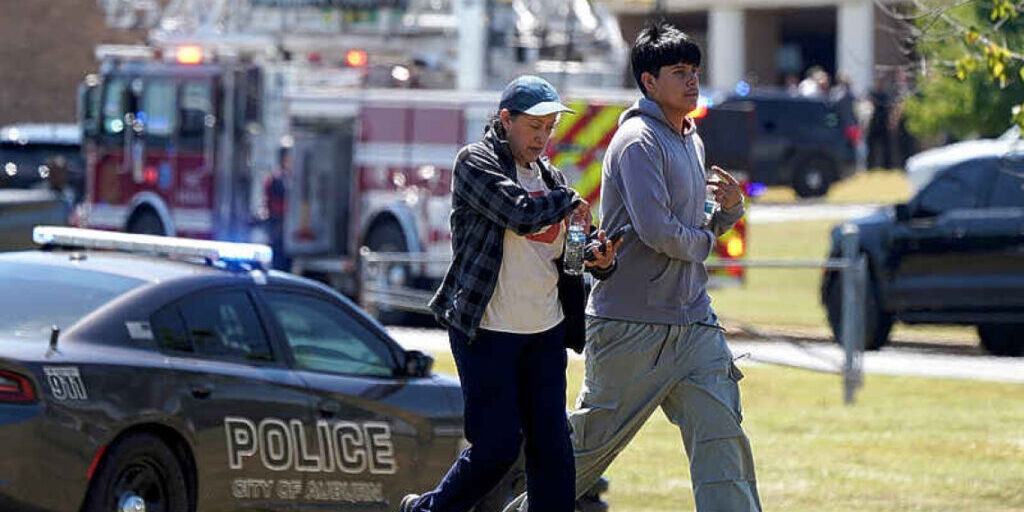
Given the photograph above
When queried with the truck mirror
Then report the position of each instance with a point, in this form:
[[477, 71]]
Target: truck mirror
[[87, 105]]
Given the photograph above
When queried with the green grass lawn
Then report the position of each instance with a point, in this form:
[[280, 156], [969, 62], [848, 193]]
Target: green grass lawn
[[874, 186], [789, 299], [909, 444]]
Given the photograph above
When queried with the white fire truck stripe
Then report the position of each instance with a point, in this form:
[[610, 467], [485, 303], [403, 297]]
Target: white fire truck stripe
[[107, 216], [380, 153], [192, 220]]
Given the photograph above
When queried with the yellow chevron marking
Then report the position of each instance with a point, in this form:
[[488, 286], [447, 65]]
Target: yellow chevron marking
[[598, 126], [567, 121], [590, 181], [566, 158]]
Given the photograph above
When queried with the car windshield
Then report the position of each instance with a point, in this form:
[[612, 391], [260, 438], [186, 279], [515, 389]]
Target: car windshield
[[36, 297], [20, 164]]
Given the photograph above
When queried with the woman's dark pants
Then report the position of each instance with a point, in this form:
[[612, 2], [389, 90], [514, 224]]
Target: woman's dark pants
[[514, 389]]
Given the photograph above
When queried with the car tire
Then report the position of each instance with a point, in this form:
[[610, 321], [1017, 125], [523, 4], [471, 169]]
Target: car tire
[[140, 466], [1005, 340], [146, 222], [387, 236], [812, 176], [877, 323]]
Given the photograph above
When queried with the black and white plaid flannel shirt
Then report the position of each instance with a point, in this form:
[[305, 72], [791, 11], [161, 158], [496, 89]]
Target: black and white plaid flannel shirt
[[486, 200]]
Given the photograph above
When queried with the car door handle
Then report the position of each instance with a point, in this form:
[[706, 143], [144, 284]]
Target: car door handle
[[329, 408], [202, 391]]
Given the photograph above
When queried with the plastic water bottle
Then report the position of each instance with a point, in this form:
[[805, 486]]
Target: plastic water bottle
[[575, 244], [710, 205]]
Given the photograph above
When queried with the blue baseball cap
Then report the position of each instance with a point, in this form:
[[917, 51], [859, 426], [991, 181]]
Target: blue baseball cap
[[532, 95]]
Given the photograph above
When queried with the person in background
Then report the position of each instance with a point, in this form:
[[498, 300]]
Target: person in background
[[58, 180], [879, 128], [275, 193], [815, 84], [505, 303]]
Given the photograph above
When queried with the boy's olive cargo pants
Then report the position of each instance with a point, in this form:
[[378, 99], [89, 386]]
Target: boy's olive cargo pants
[[632, 369]]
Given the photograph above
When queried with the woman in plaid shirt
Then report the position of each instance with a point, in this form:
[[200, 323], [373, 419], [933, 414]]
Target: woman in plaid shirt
[[509, 309]]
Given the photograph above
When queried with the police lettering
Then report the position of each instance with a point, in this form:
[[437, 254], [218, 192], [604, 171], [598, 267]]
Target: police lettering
[[341, 446]]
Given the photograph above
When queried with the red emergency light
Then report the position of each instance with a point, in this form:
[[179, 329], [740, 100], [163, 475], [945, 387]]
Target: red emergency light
[[189, 54], [735, 247], [355, 58]]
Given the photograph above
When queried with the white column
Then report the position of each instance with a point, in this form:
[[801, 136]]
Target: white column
[[855, 43], [472, 43], [726, 46]]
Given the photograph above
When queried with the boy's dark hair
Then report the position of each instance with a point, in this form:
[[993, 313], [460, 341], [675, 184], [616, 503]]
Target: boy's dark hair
[[661, 44]]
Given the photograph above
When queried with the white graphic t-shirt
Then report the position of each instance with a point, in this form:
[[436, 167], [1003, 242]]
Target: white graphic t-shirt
[[525, 300]]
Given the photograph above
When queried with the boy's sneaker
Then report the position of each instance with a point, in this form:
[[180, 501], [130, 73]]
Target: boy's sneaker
[[591, 504], [591, 500]]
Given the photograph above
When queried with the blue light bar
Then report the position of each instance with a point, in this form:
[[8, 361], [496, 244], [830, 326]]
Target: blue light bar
[[755, 188], [150, 244]]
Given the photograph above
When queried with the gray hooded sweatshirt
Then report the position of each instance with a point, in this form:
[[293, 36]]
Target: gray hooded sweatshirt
[[654, 178]]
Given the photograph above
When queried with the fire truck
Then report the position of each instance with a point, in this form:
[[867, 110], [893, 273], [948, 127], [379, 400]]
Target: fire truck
[[179, 136]]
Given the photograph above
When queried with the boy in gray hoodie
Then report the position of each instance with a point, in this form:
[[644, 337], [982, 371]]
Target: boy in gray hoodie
[[652, 337]]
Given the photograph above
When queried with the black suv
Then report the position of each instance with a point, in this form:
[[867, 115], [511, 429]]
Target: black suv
[[806, 143], [953, 255]]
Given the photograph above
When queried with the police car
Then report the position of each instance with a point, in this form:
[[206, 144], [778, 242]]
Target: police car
[[146, 373]]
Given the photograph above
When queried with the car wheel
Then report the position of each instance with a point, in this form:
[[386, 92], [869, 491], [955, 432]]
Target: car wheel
[[146, 223], [1002, 339], [877, 323], [138, 473], [388, 237], [812, 176]]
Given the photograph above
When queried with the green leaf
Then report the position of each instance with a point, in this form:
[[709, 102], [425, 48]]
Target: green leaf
[[999, 69]]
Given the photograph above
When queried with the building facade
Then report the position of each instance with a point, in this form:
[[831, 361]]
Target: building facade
[[772, 42], [46, 49]]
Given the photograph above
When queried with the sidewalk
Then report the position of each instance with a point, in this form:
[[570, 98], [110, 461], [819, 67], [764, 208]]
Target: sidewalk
[[811, 356]]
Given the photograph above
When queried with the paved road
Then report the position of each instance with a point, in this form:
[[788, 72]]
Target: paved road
[[915, 360]]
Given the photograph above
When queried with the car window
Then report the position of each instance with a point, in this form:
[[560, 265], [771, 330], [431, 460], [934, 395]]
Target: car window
[[196, 105], [114, 105], [1008, 190], [224, 324], [169, 330], [771, 112], [36, 297], [21, 162], [159, 108], [325, 337], [958, 188]]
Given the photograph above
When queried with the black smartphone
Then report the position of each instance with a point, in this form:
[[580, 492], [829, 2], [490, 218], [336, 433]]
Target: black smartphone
[[616, 235], [619, 233]]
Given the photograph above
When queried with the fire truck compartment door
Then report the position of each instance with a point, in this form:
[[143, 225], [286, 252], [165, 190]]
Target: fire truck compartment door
[[319, 197]]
